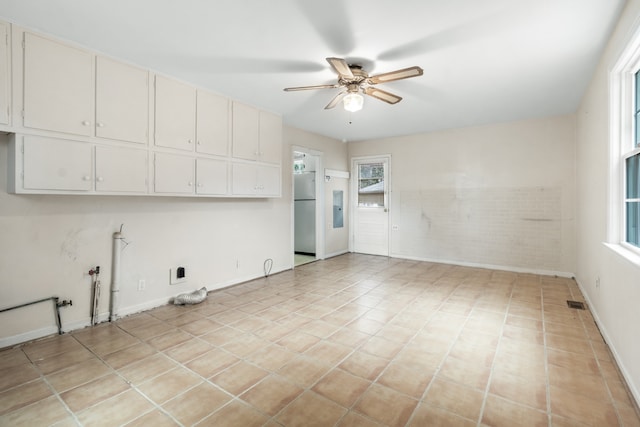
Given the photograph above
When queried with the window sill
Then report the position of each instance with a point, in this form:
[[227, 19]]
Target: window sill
[[628, 254]]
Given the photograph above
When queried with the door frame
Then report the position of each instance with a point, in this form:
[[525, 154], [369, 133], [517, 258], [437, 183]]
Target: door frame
[[320, 202], [353, 190]]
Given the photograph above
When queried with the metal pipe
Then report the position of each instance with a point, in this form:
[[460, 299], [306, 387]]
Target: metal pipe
[[115, 275], [56, 307]]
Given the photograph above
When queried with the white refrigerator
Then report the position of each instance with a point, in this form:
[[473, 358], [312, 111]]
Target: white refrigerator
[[305, 212]]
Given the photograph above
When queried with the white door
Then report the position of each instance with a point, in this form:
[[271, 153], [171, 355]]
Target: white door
[[371, 205]]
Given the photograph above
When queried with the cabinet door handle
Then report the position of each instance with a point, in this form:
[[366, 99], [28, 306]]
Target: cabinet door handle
[[86, 123], [86, 178], [100, 124], [100, 179], [190, 141], [199, 143], [190, 184], [200, 184]]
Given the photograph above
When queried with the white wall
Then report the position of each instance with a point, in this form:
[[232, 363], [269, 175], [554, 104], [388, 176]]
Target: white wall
[[499, 195], [615, 302], [49, 243]]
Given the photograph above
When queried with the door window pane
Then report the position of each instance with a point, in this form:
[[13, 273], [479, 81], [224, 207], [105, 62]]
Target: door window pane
[[371, 184]]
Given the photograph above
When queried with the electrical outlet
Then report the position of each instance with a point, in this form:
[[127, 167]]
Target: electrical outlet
[[142, 284], [177, 275]]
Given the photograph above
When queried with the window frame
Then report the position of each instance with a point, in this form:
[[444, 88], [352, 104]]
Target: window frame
[[622, 144]]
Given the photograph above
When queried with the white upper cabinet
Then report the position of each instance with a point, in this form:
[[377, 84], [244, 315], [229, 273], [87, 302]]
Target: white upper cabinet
[[121, 170], [255, 180], [122, 101], [58, 87], [175, 114], [270, 138], [212, 124], [246, 132], [257, 135], [4, 74], [174, 174], [56, 164], [211, 176]]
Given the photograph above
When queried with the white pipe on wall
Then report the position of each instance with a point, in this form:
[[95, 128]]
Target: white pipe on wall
[[115, 274]]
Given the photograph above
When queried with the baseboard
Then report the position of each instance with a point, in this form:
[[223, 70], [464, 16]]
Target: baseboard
[[335, 254], [635, 393], [487, 266], [28, 336]]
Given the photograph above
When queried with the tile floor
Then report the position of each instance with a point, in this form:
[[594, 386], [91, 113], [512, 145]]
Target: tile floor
[[351, 341]]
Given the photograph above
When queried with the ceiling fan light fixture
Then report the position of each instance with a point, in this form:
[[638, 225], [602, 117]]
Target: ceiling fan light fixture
[[353, 102]]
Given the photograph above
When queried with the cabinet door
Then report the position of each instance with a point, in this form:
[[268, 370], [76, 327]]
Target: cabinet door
[[212, 124], [211, 177], [121, 170], [245, 132], [244, 179], [122, 101], [269, 180], [4, 73], [175, 114], [270, 138], [173, 174], [56, 164], [58, 87]]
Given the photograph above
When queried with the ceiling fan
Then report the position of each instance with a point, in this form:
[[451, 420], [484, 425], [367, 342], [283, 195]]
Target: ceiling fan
[[353, 80]]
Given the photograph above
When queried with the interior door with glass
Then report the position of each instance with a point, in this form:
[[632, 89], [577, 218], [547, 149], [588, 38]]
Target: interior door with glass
[[371, 209]]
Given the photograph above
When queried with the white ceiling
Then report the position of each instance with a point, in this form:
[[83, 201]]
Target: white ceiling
[[484, 61]]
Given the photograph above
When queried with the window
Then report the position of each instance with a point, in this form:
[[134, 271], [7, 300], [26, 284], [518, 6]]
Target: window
[[624, 215], [371, 184]]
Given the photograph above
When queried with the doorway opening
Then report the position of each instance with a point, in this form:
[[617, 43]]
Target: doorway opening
[[305, 206]]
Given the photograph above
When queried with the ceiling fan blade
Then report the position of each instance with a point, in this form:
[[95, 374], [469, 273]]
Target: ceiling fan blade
[[405, 73], [336, 100], [382, 95], [292, 89], [341, 67]]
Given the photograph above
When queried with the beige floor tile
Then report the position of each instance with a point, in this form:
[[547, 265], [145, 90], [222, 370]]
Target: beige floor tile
[[583, 409], [386, 405], [381, 347], [94, 392], [245, 344], [353, 419], [271, 358], [520, 389], [298, 342], [51, 346], [184, 319], [10, 357], [147, 368], [221, 336], [272, 394], [78, 374], [128, 355], [239, 377], [169, 339], [364, 365], [453, 398], [117, 410], [303, 371], [168, 385], [200, 327], [572, 345], [55, 363], [349, 337], [341, 387], [427, 415], [407, 378], [188, 350], [311, 410], [12, 376], [501, 412], [235, 414], [154, 418], [212, 362], [195, 404], [585, 363], [43, 413], [328, 352], [524, 322], [578, 382], [465, 372]]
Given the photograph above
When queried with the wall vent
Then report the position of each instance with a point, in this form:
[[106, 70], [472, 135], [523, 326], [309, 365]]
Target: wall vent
[[575, 304]]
